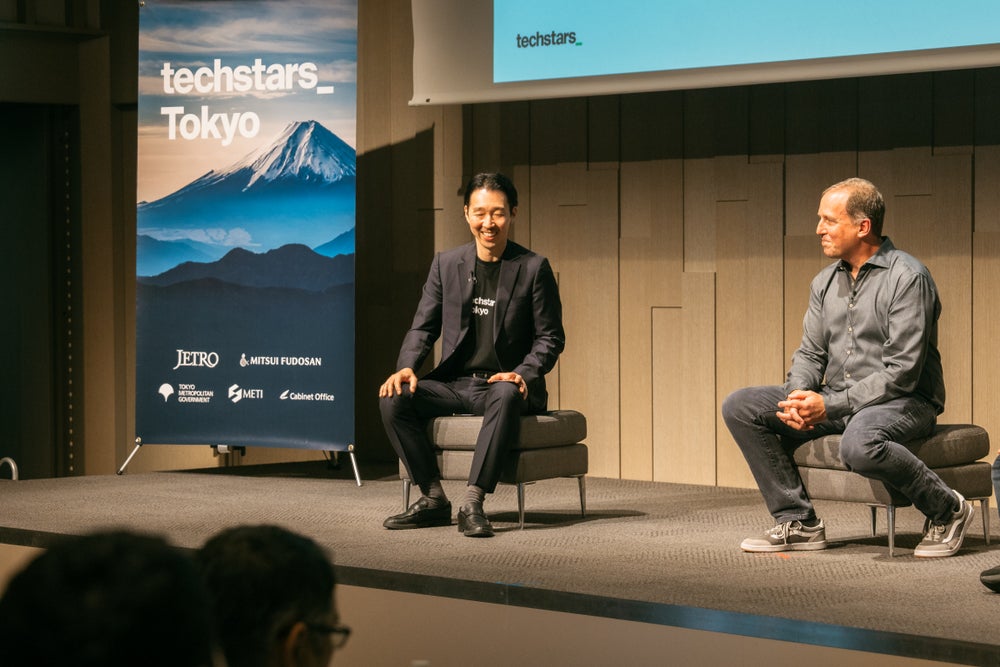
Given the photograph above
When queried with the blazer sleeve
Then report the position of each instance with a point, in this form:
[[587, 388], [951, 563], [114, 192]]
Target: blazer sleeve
[[426, 327], [548, 336]]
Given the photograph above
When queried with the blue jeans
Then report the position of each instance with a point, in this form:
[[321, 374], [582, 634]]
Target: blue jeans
[[869, 445]]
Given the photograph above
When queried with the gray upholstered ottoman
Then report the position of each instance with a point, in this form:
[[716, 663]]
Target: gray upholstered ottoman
[[953, 452], [550, 445]]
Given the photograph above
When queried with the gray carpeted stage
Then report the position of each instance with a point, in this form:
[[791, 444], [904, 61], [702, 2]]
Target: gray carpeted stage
[[651, 552]]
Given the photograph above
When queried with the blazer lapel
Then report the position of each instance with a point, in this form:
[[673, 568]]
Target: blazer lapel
[[466, 270], [509, 270]]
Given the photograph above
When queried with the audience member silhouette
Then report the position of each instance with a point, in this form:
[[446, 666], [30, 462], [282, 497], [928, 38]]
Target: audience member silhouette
[[107, 599], [273, 595]]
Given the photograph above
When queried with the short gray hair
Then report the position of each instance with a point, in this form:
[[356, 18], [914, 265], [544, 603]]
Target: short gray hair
[[864, 201]]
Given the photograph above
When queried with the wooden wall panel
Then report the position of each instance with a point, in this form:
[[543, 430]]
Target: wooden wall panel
[[986, 324], [699, 215], [953, 114], [821, 117], [684, 398], [767, 122], [932, 220], [716, 122], [449, 176], [559, 131], [483, 137], [651, 261], [986, 192], [450, 228], [663, 111], [750, 321], [670, 459], [895, 111], [879, 167], [574, 213], [603, 128], [522, 228]]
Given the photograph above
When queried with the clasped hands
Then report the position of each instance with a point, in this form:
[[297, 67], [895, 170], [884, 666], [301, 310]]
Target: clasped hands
[[802, 410], [394, 383]]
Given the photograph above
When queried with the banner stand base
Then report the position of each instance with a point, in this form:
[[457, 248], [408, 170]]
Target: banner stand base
[[354, 462], [138, 445]]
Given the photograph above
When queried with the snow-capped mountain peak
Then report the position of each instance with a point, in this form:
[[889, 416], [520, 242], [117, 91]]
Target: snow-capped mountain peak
[[305, 151]]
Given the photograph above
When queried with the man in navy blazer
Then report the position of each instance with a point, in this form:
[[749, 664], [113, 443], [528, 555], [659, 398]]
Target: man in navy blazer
[[495, 305]]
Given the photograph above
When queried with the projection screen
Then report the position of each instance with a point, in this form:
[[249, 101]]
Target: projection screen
[[469, 51]]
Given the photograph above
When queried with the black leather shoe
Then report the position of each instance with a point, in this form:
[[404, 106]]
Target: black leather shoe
[[472, 521], [991, 579], [421, 514]]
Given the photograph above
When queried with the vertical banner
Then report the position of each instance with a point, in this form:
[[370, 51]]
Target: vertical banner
[[246, 212]]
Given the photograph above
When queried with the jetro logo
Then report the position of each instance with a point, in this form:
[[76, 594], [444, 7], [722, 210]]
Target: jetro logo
[[197, 359]]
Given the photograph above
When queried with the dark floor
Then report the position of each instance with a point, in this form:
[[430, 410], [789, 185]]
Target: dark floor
[[651, 552]]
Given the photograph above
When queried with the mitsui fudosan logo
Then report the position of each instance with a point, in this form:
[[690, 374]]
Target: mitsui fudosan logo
[[552, 38]]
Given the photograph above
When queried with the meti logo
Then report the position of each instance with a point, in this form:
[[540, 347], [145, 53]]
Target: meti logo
[[551, 38], [203, 359], [238, 393]]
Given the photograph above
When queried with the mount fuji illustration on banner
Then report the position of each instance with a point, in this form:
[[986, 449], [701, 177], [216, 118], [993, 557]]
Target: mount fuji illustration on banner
[[298, 189], [245, 221], [255, 263]]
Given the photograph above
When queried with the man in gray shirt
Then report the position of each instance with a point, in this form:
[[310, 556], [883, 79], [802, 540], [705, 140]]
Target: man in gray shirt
[[868, 367]]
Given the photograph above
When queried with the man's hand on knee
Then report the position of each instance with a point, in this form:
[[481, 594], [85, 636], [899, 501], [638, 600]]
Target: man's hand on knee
[[522, 386], [393, 386]]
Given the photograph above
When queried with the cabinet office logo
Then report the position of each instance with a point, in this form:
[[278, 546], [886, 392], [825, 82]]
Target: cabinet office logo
[[292, 395], [551, 38], [263, 360], [238, 393], [187, 358]]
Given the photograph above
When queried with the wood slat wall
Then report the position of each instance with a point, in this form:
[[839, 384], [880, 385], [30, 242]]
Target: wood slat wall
[[681, 226]]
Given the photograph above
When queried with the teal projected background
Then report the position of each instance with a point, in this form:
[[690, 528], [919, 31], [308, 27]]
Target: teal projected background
[[555, 39]]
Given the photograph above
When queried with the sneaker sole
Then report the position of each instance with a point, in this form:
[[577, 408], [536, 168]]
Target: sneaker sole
[[776, 548]]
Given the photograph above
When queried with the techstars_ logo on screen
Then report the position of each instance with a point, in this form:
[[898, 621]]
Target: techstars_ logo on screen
[[552, 38]]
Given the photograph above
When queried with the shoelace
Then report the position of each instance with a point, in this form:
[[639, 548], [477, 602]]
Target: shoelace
[[780, 531], [934, 531]]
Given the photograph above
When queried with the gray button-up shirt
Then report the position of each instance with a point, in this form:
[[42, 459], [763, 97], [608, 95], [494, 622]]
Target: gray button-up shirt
[[873, 339]]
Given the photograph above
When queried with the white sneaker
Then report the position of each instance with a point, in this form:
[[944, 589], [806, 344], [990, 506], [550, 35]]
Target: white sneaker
[[945, 539], [788, 536]]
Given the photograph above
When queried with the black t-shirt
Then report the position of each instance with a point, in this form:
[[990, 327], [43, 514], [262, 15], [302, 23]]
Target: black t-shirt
[[482, 354]]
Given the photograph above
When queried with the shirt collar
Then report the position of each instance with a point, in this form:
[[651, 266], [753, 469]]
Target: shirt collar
[[880, 258]]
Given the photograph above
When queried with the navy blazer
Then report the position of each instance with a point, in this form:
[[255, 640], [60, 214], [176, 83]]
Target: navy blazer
[[528, 334]]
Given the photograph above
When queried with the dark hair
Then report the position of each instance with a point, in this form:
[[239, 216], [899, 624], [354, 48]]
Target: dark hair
[[864, 201], [492, 181], [104, 600], [263, 579]]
